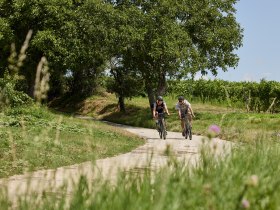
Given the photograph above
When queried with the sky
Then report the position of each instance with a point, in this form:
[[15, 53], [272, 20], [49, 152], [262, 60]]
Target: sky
[[260, 53]]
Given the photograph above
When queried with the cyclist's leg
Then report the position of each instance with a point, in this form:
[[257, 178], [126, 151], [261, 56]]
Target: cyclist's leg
[[190, 126], [164, 123], [156, 121], [183, 126], [190, 120]]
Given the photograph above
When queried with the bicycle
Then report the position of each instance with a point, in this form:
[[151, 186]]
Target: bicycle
[[188, 128], [161, 126]]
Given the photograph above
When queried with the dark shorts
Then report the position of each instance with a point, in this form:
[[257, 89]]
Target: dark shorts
[[188, 116]]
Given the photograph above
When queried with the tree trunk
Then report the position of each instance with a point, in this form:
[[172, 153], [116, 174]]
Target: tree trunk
[[161, 88], [151, 97], [121, 104]]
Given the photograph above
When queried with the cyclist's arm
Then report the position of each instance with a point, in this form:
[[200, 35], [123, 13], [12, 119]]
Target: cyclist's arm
[[179, 113], [178, 109], [190, 108], [154, 111], [166, 109]]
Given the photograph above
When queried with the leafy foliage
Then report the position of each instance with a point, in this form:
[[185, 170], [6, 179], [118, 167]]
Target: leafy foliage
[[9, 96], [153, 39], [179, 39], [257, 96]]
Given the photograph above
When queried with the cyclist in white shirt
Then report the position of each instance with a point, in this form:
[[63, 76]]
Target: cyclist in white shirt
[[184, 107]]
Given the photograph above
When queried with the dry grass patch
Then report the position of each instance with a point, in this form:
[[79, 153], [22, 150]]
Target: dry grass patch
[[214, 109], [98, 106]]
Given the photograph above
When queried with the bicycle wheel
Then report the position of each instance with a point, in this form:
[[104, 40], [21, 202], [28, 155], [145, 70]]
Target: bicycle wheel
[[160, 129], [190, 132], [186, 132], [163, 131]]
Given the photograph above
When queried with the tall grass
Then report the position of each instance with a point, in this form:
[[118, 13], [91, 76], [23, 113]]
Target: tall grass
[[248, 178]]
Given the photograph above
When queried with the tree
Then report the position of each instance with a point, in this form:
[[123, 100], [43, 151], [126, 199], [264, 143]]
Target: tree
[[6, 35], [91, 51], [125, 83], [180, 38], [69, 33], [48, 19], [155, 40]]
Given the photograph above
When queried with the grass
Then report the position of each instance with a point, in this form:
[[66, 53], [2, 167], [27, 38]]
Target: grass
[[236, 124], [33, 138], [248, 178]]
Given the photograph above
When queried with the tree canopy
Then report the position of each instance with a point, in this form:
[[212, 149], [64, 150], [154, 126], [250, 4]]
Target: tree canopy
[[152, 39]]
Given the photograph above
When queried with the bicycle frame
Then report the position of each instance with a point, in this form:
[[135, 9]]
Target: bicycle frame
[[187, 127]]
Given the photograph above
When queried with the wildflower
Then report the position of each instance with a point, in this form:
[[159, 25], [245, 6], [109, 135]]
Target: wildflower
[[213, 131], [245, 204]]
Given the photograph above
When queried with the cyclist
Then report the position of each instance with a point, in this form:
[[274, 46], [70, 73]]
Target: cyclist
[[184, 107], [159, 107]]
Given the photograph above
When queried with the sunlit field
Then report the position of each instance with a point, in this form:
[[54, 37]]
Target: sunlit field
[[236, 124], [34, 138]]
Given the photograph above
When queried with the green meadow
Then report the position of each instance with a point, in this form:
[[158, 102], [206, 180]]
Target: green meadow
[[36, 137]]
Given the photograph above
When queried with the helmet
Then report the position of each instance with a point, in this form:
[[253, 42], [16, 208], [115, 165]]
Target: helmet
[[181, 98], [159, 98]]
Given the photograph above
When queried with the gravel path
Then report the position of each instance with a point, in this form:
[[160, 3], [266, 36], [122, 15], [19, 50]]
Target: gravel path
[[151, 154]]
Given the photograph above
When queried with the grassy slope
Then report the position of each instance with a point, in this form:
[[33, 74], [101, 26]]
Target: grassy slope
[[35, 138], [236, 124]]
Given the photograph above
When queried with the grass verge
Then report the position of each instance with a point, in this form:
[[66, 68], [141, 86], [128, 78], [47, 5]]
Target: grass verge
[[246, 179], [33, 138]]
